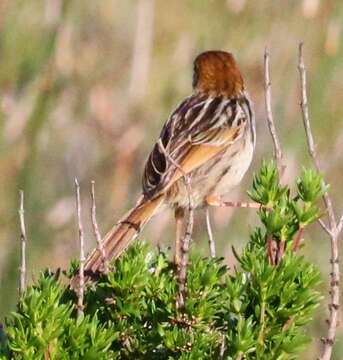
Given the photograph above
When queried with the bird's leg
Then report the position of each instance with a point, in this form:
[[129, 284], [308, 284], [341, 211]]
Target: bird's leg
[[179, 217], [217, 201]]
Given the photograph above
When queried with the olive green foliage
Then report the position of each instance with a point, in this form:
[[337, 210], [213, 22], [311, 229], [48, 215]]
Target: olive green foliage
[[258, 309]]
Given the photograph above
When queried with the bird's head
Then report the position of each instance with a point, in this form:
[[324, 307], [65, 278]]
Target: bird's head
[[216, 73]]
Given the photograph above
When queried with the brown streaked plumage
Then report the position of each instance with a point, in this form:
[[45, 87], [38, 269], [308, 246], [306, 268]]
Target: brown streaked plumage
[[210, 135]]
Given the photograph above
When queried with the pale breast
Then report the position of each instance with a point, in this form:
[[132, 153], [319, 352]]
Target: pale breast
[[217, 177], [238, 161]]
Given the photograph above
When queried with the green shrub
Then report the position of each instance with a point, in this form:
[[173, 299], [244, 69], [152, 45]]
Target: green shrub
[[259, 310]]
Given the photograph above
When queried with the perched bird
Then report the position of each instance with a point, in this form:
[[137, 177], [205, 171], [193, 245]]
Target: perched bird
[[210, 137]]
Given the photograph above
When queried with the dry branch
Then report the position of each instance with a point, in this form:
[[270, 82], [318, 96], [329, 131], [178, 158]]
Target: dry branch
[[23, 240], [211, 241], [308, 131], [324, 226], [218, 202], [340, 225], [274, 251], [81, 289], [96, 229], [333, 229], [270, 119]]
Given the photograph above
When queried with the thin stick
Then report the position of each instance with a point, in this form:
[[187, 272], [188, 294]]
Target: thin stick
[[96, 229], [185, 246], [23, 240], [211, 241], [270, 119], [237, 204], [333, 320], [189, 229], [310, 142], [324, 227], [81, 289], [334, 233], [340, 225]]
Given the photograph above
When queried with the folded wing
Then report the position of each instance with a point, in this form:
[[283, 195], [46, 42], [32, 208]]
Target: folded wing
[[199, 129]]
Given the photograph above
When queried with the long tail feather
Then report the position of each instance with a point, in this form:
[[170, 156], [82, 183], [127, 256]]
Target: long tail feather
[[123, 233]]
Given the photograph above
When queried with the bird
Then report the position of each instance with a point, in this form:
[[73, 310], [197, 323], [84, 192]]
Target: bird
[[210, 137]]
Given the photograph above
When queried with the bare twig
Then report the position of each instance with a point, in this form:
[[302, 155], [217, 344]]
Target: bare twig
[[308, 131], [332, 229], [189, 228], [340, 225], [324, 226], [23, 240], [96, 229], [274, 251], [211, 241], [270, 119], [81, 290], [218, 202]]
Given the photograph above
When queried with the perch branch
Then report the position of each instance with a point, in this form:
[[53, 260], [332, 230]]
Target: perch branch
[[270, 119], [333, 228], [23, 240], [81, 289], [211, 242], [96, 229], [182, 272], [216, 201]]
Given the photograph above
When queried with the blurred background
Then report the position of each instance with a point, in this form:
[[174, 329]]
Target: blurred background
[[85, 87]]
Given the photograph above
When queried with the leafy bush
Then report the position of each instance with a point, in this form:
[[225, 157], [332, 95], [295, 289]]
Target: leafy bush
[[257, 311]]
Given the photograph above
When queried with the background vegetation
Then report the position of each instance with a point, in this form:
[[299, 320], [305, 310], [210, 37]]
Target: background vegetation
[[86, 85]]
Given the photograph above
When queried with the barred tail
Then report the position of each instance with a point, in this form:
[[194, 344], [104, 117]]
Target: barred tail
[[123, 233]]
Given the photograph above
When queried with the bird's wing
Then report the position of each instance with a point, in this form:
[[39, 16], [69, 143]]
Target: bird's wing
[[199, 128]]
